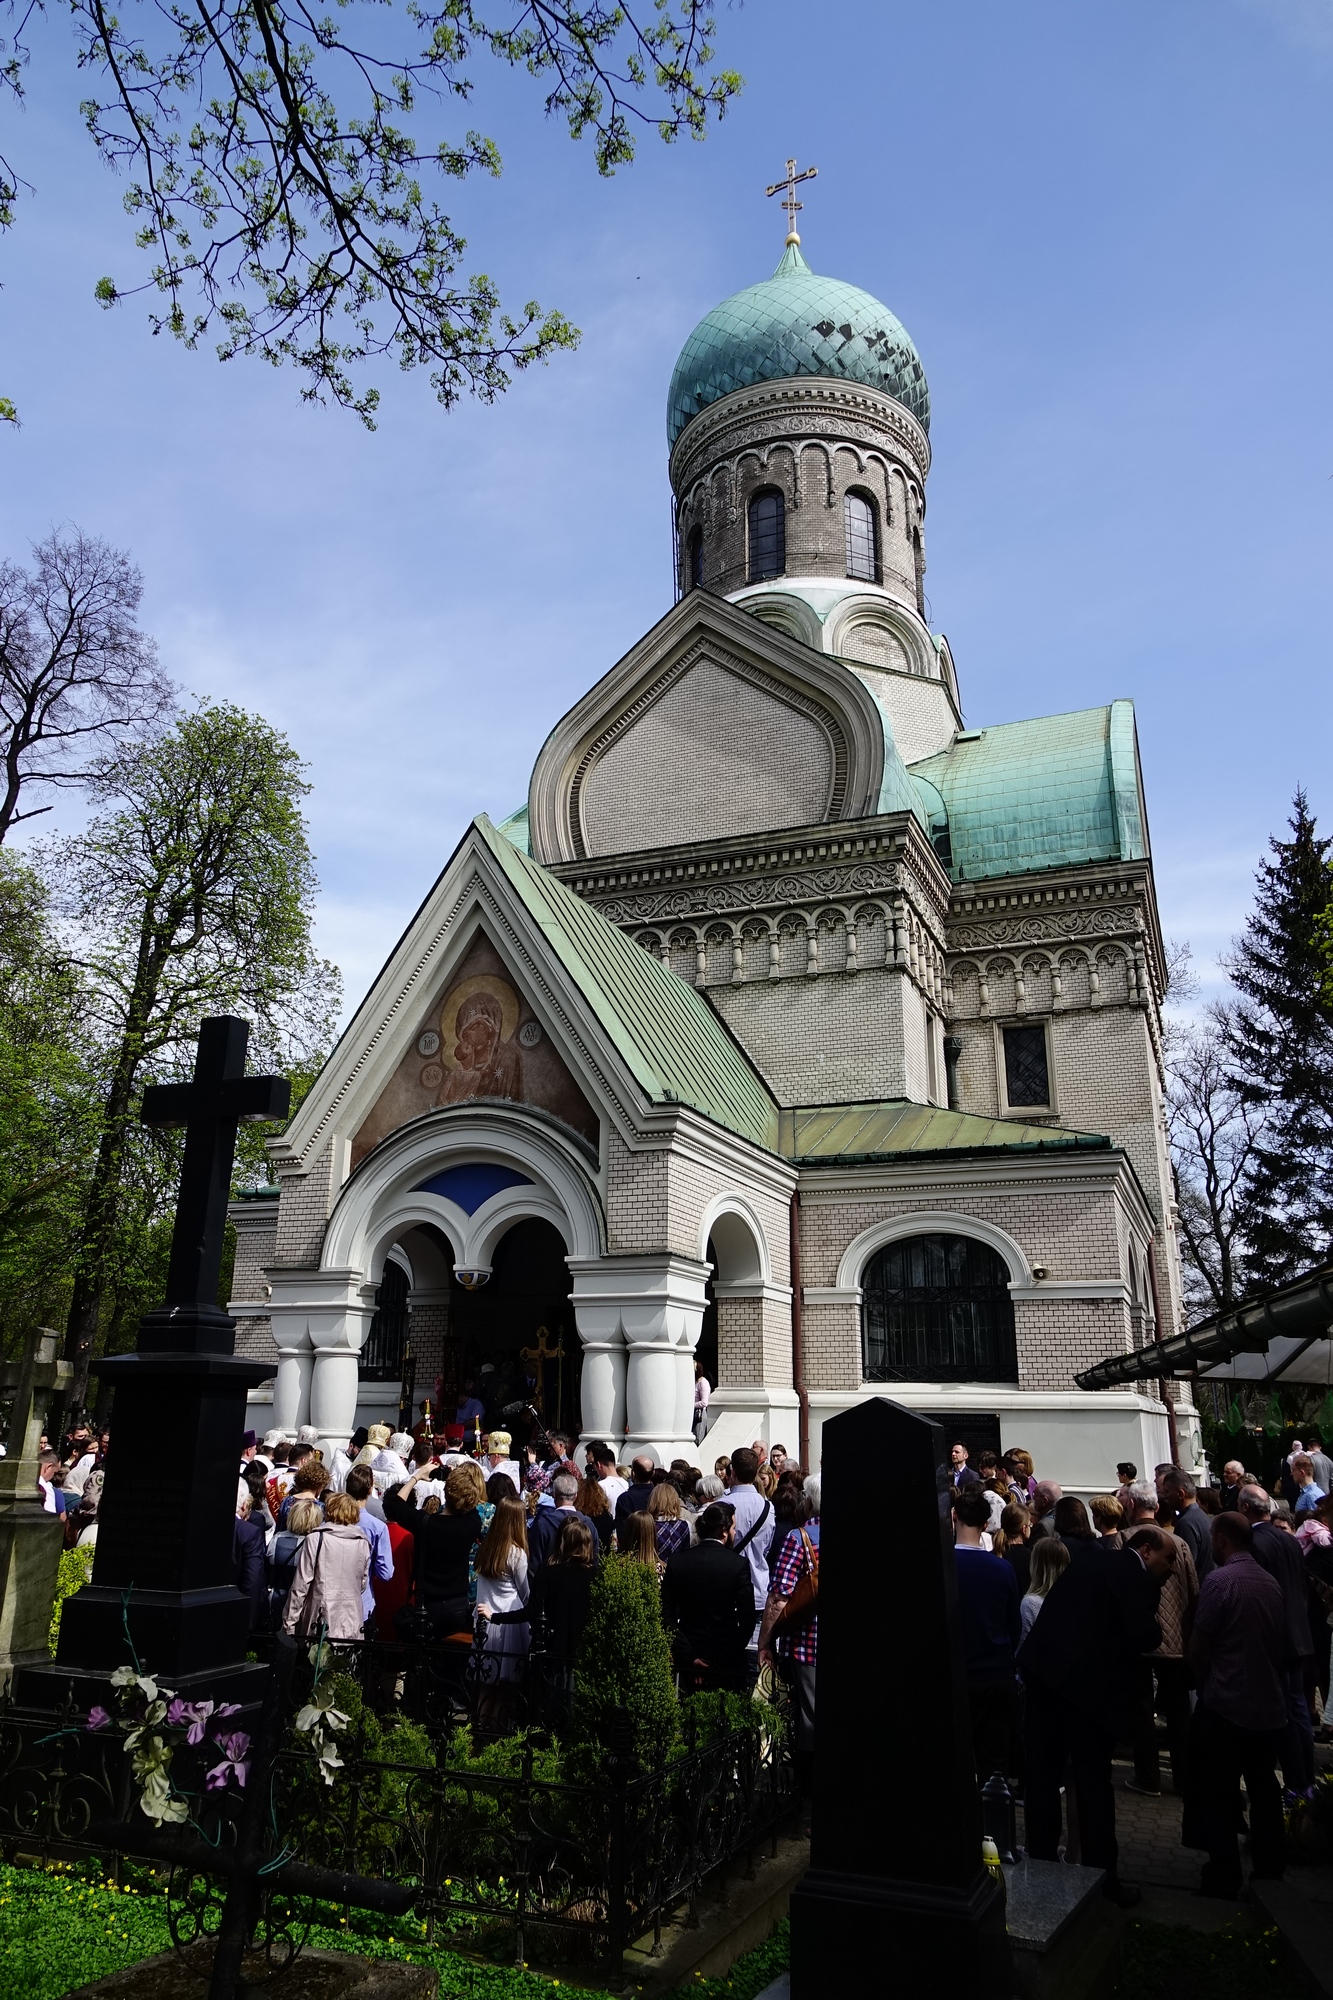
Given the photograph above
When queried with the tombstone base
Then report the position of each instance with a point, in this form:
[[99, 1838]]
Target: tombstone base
[[860, 1930], [51, 1686]]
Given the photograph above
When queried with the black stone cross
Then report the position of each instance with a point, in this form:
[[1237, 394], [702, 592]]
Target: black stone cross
[[164, 1593], [210, 1107]]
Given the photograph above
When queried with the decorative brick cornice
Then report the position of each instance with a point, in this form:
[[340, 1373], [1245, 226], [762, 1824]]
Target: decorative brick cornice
[[823, 410]]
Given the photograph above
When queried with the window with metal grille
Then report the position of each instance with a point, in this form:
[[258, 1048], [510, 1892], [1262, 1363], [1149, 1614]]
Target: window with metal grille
[[859, 524], [768, 535], [382, 1355], [1027, 1076], [695, 547], [937, 1309]]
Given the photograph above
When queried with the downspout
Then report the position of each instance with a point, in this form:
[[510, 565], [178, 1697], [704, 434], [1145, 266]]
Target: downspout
[[797, 1339], [1168, 1405]]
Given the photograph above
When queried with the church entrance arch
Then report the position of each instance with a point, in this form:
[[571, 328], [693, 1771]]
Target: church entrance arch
[[466, 1197]]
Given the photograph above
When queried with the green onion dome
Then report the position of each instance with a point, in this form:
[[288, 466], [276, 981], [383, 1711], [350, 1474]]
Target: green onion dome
[[796, 323]]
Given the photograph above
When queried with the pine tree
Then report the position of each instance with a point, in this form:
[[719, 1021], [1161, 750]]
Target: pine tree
[[1279, 1042]]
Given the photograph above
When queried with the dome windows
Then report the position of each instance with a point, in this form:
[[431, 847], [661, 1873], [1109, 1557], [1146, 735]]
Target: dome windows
[[861, 535], [768, 535], [694, 559]]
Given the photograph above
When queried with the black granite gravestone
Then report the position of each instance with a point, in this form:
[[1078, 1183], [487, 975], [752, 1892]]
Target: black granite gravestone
[[163, 1588], [896, 1891]]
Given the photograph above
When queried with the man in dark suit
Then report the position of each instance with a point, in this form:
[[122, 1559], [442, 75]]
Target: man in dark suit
[[708, 1595], [634, 1499], [1281, 1555], [545, 1525], [1077, 1664]]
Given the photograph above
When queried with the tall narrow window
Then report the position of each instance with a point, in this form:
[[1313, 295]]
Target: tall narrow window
[[1027, 1074], [768, 535], [695, 552], [858, 515]]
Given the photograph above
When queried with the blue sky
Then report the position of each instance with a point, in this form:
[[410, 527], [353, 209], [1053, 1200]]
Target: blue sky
[[1107, 228]]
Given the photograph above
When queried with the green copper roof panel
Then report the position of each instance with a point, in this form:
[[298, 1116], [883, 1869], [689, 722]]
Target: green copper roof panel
[[666, 1032], [516, 828], [874, 1131], [796, 323], [1024, 796]]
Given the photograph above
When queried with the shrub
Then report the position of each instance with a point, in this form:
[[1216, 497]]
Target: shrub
[[76, 1566], [625, 1663]]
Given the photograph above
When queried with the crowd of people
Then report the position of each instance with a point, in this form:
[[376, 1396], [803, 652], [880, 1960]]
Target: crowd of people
[[1159, 1615], [1084, 1622], [406, 1536]]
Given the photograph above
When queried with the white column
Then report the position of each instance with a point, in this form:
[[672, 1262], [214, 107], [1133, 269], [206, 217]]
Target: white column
[[320, 1322], [642, 1314], [604, 1359]]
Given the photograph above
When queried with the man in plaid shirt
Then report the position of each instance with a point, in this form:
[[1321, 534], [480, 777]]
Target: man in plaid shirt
[[799, 1652]]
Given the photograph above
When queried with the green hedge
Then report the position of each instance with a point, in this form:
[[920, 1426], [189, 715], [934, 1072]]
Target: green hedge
[[624, 1663], [76, 1566]]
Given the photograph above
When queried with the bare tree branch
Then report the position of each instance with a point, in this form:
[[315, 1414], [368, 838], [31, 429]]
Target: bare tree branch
[[75, 670], [1214, 1134]]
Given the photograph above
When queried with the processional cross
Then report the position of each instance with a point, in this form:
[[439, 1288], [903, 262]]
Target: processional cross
[[791, 204], [219, 1097]]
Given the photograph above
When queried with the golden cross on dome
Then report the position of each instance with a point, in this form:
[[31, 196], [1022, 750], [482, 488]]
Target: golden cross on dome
[[791, 204]]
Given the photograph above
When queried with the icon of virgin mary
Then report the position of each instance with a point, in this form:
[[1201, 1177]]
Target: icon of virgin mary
[[485, 1057]]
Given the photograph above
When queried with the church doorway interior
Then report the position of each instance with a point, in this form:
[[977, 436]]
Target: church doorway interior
[[515, 1337]]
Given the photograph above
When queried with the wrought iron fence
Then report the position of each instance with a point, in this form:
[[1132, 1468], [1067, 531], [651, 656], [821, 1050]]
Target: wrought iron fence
[[566, 1851]]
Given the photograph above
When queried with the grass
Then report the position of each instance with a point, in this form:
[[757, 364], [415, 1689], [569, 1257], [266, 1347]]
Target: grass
[[62, 1927], [1235, 1963]]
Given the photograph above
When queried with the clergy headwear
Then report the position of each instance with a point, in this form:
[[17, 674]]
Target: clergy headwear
[[498, 1444], [272, 1438], [249, 1441], [378, 1435], [402, 1442]]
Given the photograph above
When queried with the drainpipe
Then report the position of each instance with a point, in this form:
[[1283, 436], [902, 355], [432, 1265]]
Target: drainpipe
[[1170, 1407], [797, 1342], [953, 1050]]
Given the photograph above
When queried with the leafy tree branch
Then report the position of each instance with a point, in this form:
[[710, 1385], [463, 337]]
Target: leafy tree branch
[[282, 164]]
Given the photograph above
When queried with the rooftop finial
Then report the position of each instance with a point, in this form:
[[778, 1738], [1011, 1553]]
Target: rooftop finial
[[791, 204]]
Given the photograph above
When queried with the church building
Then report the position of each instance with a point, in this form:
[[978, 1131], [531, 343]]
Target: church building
[[792, 1025]]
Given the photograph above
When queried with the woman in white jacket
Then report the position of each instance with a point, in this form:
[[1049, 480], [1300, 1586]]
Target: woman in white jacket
[[502, 1595], [331, 1573]]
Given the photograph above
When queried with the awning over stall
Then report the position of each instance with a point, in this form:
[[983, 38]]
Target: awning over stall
[[1284, 1337]]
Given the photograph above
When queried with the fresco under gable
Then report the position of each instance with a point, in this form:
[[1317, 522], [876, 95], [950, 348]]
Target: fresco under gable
[[478, 1039]]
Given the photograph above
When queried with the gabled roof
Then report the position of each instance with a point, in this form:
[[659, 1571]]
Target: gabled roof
[[1047, 793], [676, 1047], [822, 1134]]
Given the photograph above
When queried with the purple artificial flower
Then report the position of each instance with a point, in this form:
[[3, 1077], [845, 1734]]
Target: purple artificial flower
[[195, 1713], [235, 1766], [98, 1718]]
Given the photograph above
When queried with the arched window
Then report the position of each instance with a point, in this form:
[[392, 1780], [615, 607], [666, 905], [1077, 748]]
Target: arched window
[[694, 549], [861, 531], [768, 535], [937, 1309]]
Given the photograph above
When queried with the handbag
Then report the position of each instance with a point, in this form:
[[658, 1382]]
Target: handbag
[[803, 1603], [306, 1622]]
